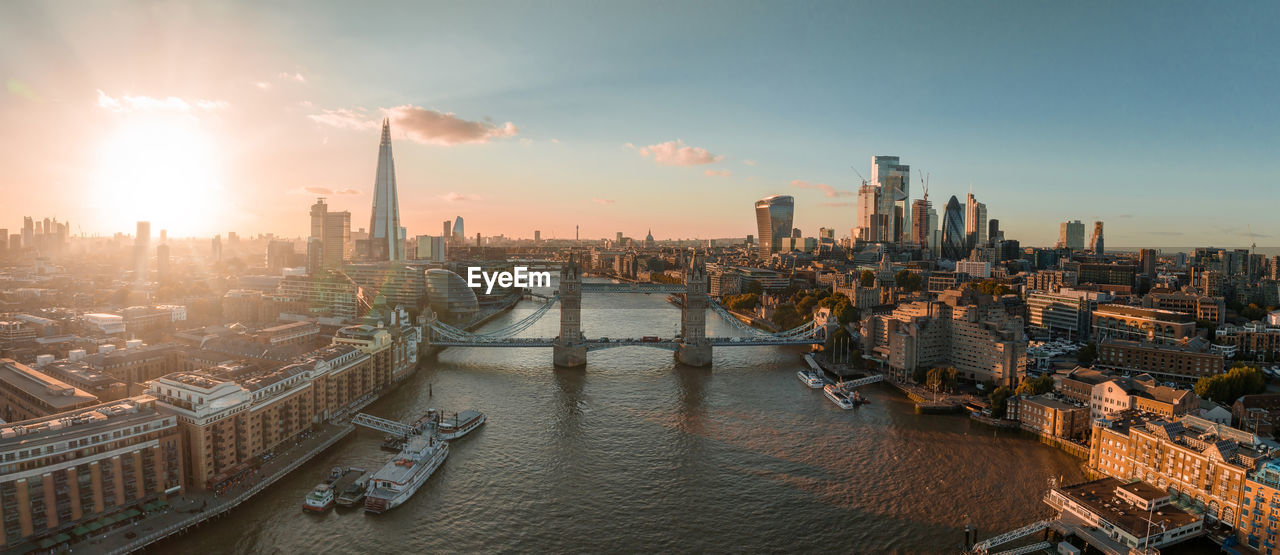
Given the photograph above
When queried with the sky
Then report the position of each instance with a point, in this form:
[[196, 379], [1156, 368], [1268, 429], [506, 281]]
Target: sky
[[1159, 118]]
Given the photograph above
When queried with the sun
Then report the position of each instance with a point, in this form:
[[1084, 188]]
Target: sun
[[160, 168]]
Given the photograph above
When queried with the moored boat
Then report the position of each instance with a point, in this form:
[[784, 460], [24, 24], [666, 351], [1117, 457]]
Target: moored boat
[[399, 479], [319, 500], [810, 378], [837, 396], [460, 424], [353, 494]]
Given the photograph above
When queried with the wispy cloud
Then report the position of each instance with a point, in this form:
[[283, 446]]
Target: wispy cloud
[[676, 153], [442, 128], [453, 196], [718, 173], [829, 191], [602, 201], [328, 191], [749, 162], [296, 77], [344, 118], [129, 103]]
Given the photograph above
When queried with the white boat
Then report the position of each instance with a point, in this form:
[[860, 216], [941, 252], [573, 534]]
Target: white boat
[[810, 379], [399, 479], [460, 424], [319, 500], [837, 396]]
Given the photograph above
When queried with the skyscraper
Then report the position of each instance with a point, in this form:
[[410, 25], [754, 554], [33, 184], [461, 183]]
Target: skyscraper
[[458, 233], [1095, 242], [882, 204], [333, 230], [1147, 261], [141, 250], [993, 231], [1071, 235], [954, 242], [920, 222], [773, 221], [385, 242], [975, 222]]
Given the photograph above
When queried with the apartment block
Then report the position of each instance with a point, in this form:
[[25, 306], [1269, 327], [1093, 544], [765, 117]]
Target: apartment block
[[1186, 362]]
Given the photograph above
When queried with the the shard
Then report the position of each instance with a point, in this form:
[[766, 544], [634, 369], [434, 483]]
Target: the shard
[[385, 242]]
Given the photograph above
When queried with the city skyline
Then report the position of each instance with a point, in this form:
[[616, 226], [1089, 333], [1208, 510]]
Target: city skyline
[[557, 137]]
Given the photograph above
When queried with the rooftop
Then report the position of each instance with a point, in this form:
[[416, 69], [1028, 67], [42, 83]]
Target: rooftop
[[53, 392], [1099, 497], [59, 426]]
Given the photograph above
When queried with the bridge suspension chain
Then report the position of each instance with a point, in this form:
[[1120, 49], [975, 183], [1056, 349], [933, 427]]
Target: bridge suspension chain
[[457, 334]]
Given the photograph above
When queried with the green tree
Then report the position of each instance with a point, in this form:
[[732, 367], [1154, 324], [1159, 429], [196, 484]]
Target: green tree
[[907, 280], [1036, 386], [1241, 379], [989, 287], [742, 303], [805, 306], [998, 400], [1087, 354], [867, 278], [1253, 312], [941, 379], [786, 317], [845, 313]]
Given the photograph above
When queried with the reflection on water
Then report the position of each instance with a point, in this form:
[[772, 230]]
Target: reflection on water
[[637, 453]]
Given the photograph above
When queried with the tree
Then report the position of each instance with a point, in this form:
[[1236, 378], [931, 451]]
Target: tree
[[989, 287], [742, 303], [907, 280], [998, 399], [1086, 355], [1037, 386], [845, 313], [1241, 379], [867, 278], [920, 375], [941, 379], [754, 286], [1253, 312], [786, 317], [805, 306]]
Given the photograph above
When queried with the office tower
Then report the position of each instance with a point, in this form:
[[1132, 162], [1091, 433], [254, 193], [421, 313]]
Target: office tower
[[954, 243], [537, 236], [431, 248], [975, 222], [4, 241], [162, 263], [882, 203], [141, 249], [315, 255], [15, 243], [1071, 235], [1147, 262], [216, 250], [619, 239], [993, 231], [795, 232], [28, 231], [448, 230], [1095, 242], [333, 229], [773, 222], [164, 235], [458, 233], [384, 223], [279, 253], [920, 222]]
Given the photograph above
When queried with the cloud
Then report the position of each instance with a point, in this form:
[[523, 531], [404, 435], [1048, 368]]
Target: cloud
[[836, 204], [441, 128], [749, 162], [292, 77], [453, 196], [556, 141], [328, 191], [829, 191], [263, 85], [718, 173], [602, 201], [129, 103], [343, 118], [676, 153]]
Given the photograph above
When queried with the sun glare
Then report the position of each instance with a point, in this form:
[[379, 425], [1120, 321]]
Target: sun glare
[[162, 169]]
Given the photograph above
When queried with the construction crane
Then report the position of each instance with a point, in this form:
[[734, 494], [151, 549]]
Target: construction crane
[[855, 170], [1253, 240]]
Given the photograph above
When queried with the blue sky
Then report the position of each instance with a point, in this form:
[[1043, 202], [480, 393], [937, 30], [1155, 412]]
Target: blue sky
[[1158, 118]]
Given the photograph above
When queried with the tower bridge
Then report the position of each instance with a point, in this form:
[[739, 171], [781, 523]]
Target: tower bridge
[[569, 349]]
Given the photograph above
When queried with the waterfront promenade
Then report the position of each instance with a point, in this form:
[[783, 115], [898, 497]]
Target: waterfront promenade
[[195, 508]]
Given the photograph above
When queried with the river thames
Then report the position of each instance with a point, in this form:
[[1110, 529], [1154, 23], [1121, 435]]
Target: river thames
[[635, 453]]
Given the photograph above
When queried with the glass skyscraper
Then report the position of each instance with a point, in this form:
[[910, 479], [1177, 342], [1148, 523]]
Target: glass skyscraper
[[385, 238], [773, 221], [954, 244]]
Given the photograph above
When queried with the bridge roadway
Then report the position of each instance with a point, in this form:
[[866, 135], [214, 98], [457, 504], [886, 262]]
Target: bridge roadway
[[588, 287], [598, 344]]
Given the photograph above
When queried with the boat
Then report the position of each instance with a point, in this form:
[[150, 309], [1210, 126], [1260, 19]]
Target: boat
[[319, 500], [460, 425], [392, 443], [837, 396], [353, 493], [334, 473], [398, 480], [810, 378]]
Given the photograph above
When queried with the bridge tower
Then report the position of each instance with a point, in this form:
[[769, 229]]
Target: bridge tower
[[569, 350], [694, 349]]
